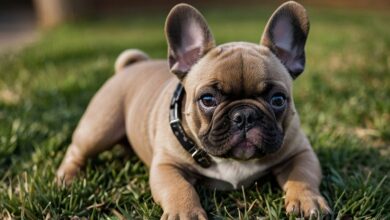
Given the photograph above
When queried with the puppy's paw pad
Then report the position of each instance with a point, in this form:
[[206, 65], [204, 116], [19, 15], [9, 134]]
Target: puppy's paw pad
[[292, 207], [185, 215], [307, 204]]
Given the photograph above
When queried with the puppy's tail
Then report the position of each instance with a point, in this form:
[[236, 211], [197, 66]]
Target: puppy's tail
[[128, 57]]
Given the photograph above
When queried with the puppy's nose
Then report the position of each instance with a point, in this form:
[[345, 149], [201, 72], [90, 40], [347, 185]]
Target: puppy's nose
[[244, 117]]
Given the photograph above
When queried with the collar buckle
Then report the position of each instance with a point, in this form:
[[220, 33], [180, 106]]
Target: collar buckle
[[201, 158]]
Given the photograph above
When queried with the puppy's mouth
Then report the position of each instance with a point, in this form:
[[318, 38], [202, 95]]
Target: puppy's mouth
[[254, 143], [245, 145], [229, 138], [244, 150]]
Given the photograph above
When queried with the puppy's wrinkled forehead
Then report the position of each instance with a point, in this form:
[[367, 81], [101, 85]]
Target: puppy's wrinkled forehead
[[239, 68]]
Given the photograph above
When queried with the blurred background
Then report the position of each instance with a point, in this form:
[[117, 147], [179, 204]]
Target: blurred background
[[20, 19]]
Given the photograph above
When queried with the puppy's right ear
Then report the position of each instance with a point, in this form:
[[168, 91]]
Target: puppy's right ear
[[189, 38]]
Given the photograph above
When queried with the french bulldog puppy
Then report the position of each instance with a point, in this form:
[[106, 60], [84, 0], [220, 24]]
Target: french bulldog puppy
[[221, 116]]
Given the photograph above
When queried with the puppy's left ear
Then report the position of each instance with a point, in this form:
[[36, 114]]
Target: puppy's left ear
[[189, 38], [285, 35]]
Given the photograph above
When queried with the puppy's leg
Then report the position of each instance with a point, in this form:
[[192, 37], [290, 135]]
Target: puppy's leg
[[100, 128], [300, 179], [174, 193]]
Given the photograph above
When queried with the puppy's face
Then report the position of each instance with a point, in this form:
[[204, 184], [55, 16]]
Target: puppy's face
[[238, 95], [238, 100]]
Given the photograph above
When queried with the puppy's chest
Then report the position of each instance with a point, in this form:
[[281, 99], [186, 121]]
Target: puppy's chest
[[228, 174]]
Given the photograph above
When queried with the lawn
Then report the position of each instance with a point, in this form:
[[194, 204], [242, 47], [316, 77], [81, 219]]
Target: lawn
[[343, 99]]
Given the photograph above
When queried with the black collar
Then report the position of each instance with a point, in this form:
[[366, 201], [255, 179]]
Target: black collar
[[199, 155]]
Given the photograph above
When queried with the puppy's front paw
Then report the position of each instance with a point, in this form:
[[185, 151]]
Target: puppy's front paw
[[306, 203], [176, 214], [68, 170], [66, 173]]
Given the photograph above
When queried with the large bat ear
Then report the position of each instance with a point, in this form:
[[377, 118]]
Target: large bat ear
[[285, 35], [188, 36]]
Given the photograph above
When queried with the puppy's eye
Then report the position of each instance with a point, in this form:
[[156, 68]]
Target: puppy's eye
[[208, 101], [278, 101]]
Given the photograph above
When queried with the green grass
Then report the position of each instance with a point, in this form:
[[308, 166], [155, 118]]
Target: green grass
[[343, 99]]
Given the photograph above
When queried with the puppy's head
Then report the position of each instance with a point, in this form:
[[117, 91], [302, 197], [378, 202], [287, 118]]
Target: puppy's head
[[238, 95]]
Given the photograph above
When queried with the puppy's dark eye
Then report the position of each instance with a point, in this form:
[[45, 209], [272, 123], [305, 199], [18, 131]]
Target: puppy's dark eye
[[208, 101], [278, 101]]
